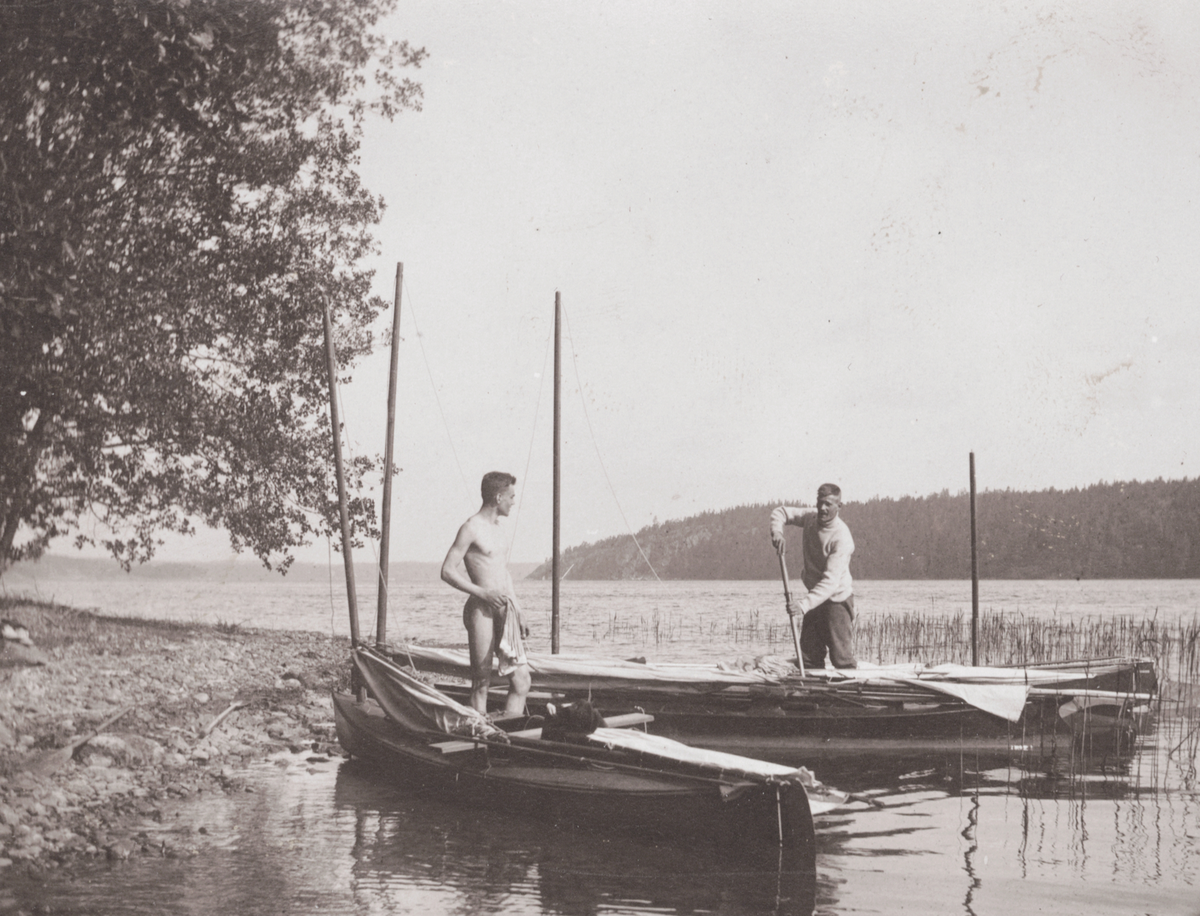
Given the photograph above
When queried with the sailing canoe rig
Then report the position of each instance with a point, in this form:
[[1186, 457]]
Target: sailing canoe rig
[[611, 776], [615, 777], [787, 713]]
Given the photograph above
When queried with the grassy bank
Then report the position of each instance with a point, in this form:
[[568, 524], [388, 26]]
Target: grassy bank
[[196, 703]]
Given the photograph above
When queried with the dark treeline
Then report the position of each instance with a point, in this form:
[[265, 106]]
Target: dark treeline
[[1118, 530]]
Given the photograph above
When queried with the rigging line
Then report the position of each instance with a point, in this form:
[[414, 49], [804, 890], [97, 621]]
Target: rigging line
[[381, 582], [337, 389], [329, 567], [350, 449], [532, 437], [421, 343], [349, 443], [370, 542], [596, 446]]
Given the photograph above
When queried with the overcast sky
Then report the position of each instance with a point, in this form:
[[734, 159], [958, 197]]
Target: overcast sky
[[795, 243]]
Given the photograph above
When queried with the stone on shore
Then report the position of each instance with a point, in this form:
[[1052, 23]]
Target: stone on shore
[[176, 680]]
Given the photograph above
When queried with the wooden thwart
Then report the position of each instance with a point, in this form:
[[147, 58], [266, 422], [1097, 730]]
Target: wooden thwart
[[624, 721]]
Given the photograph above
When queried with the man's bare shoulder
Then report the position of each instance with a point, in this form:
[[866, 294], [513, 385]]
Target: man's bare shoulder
[[478, 529], [471, 527]]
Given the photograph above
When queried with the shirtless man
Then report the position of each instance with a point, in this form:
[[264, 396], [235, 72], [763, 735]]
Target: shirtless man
[[491, 616]]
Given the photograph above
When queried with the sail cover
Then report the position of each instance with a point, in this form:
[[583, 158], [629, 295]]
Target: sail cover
[[718, 761], [999, 691], [414, 704], [577, 671]]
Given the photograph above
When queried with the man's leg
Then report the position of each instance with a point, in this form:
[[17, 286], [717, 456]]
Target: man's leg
[[812, 638], [840, 625], [519, 684], [509, 649], [479, 624]]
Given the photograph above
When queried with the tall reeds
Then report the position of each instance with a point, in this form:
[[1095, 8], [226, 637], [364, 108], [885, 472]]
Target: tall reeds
[[930, 638], [1015, 639]]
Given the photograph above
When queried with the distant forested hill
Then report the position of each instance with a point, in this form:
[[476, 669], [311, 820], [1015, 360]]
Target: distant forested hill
[[1118, 530]]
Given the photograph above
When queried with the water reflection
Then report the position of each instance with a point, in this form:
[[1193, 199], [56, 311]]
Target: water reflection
[[1061, 834], [418, 842], [947, 834]]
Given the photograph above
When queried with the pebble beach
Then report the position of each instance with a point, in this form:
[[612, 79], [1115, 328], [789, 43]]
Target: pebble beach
[[106, 720]]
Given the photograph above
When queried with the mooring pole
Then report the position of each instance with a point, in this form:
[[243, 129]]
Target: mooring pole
[[557, 470], [974, 575], [385, 536], [331, 358]]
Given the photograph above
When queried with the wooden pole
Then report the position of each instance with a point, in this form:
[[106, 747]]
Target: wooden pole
[[385, 536], [341, 477], [554, 644], [974, 575], [787, 598]]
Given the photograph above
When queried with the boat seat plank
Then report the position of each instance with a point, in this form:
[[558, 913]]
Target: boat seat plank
[[627, 720]]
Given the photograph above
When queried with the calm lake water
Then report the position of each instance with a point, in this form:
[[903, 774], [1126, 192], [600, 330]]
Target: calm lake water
[[968, 834], [661, 620]]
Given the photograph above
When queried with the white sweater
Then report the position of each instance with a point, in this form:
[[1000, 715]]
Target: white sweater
[[826, 551]]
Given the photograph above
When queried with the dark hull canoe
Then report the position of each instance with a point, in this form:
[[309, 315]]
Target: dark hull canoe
[[1099, 705], [787, 732], [573, 785], [805, 735]]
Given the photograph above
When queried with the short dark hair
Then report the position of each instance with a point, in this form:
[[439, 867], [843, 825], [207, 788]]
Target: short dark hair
[[493, 483], [828, 489]]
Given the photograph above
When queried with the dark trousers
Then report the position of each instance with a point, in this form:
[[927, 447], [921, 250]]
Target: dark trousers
[[829, 626]]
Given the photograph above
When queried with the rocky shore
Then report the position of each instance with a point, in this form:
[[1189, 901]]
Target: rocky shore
[[189, 707]]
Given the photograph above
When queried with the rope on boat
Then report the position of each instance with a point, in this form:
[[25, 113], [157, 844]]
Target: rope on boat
[[596, 446], [432, 384], [445, 425], [537, 409]]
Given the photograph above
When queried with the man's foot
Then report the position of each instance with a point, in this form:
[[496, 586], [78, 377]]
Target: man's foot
[[499, 715]]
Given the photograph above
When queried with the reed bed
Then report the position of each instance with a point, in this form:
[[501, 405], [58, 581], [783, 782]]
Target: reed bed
[[914, 636]]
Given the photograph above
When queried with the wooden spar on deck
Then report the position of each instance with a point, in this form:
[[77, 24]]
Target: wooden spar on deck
[[974, 575], [335, 422], [386, 521], [557, 472]]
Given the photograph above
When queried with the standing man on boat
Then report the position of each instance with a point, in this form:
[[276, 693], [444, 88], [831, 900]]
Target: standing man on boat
[[828, 608], [491, 615]]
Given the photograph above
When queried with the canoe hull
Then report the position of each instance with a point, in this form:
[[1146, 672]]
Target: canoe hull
[[791, 733], [580, 788], [794, 727], [1099, 704]]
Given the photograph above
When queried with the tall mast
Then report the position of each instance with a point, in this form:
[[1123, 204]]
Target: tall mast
[[974, 574], [557, 470], [385, 536], [335, 422]]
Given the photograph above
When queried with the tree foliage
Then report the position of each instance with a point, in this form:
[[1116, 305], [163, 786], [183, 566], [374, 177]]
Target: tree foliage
[[1105, 531], [178, 201]]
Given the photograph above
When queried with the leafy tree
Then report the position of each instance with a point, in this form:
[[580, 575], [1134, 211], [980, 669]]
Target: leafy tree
[[178, 202]]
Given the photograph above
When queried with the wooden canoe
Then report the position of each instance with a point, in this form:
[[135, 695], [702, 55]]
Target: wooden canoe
[[613, 779], [1040, 709]]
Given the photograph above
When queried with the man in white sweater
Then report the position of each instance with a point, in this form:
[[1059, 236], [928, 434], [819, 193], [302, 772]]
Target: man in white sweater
[[828, 608]]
